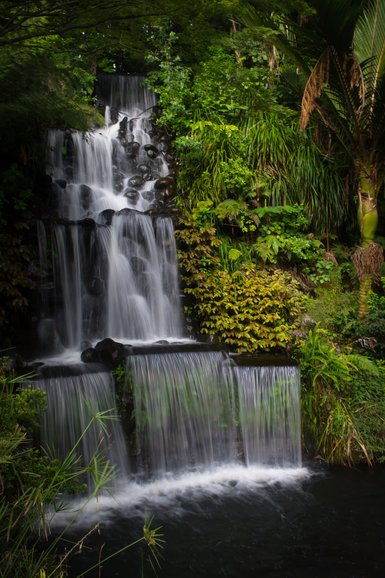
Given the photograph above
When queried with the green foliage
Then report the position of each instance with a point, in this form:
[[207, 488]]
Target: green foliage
[[244, 307], [31, 479], [369, 333], [332, 305], [204, 111], [290, 169], [172, 84], [237, 212], [282, 239], [343, 402], [233, 254], [198, 243], [226, 91], [249, 309]]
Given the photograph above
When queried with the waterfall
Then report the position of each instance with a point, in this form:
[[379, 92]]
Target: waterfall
[[114, 266], [197, 410], [72, 401], [109, 269], [269, 414], [143, 285], [183, 410]]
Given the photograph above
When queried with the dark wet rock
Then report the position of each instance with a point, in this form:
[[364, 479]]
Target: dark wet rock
[[137, 265], [90, 355], [89, 223], [148, 195], [151, 150], [114, 115], [131, 194], [106, 216], [123, 126], [136, 181], [110, 352], [125, 211], [145, 169], [132, 148], [85, 196], [164, 183], [118, 183], [61, 183]]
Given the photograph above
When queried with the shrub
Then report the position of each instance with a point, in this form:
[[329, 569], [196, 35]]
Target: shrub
[[343, 403], [249, 309]]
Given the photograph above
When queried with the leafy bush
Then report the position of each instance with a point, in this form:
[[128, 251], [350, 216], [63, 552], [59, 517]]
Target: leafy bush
[[366, 334], [245, 307], [332, 306], [343, 403], [249, 309]]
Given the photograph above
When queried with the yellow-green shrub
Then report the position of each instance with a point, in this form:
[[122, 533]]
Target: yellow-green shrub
[[249, 309]]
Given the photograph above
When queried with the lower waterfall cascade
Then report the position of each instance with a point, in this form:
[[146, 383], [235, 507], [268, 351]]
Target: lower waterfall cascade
[[109, 272]]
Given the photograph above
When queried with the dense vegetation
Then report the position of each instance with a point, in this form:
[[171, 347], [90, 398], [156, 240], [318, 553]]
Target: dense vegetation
[[276, 112]]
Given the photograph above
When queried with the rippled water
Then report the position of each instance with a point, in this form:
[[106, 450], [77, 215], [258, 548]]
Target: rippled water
[[310, 522]]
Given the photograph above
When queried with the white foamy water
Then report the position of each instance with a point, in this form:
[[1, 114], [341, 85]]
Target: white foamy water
[[169, 492]]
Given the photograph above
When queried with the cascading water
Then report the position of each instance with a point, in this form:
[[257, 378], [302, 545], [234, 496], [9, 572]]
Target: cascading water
[[269, 415], [183, 410], [114, 274], [114, 267], [195, 410], [72, 422]]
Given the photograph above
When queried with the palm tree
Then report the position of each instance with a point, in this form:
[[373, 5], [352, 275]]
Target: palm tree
[[346, 88]]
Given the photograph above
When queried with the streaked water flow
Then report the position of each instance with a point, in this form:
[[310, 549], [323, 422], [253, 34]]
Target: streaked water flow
[[196, 410], [183, 409], [269, 414], [73, 402], [114, 274], [114, 268]]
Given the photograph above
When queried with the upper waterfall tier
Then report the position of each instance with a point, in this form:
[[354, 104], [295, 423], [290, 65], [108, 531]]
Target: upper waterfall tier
[[114, 269], [121, 165]]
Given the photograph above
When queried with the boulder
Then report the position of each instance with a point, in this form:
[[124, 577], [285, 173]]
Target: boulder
[[61, 183], [132, 149], [151, 150], [145, 169], [131, 194], [110, 352], [85, 196], [148, 195], [136, 181], [123, 126], [90, 355], [164, 185], [106, 216]]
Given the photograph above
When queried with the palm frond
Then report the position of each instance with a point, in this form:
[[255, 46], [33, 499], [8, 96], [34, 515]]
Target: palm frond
[[314, 88], [369, 46], [369, 42], [273, 33]]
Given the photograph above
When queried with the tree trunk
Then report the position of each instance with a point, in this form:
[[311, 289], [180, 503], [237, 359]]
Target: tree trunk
[[367, 205], [369, 256]]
